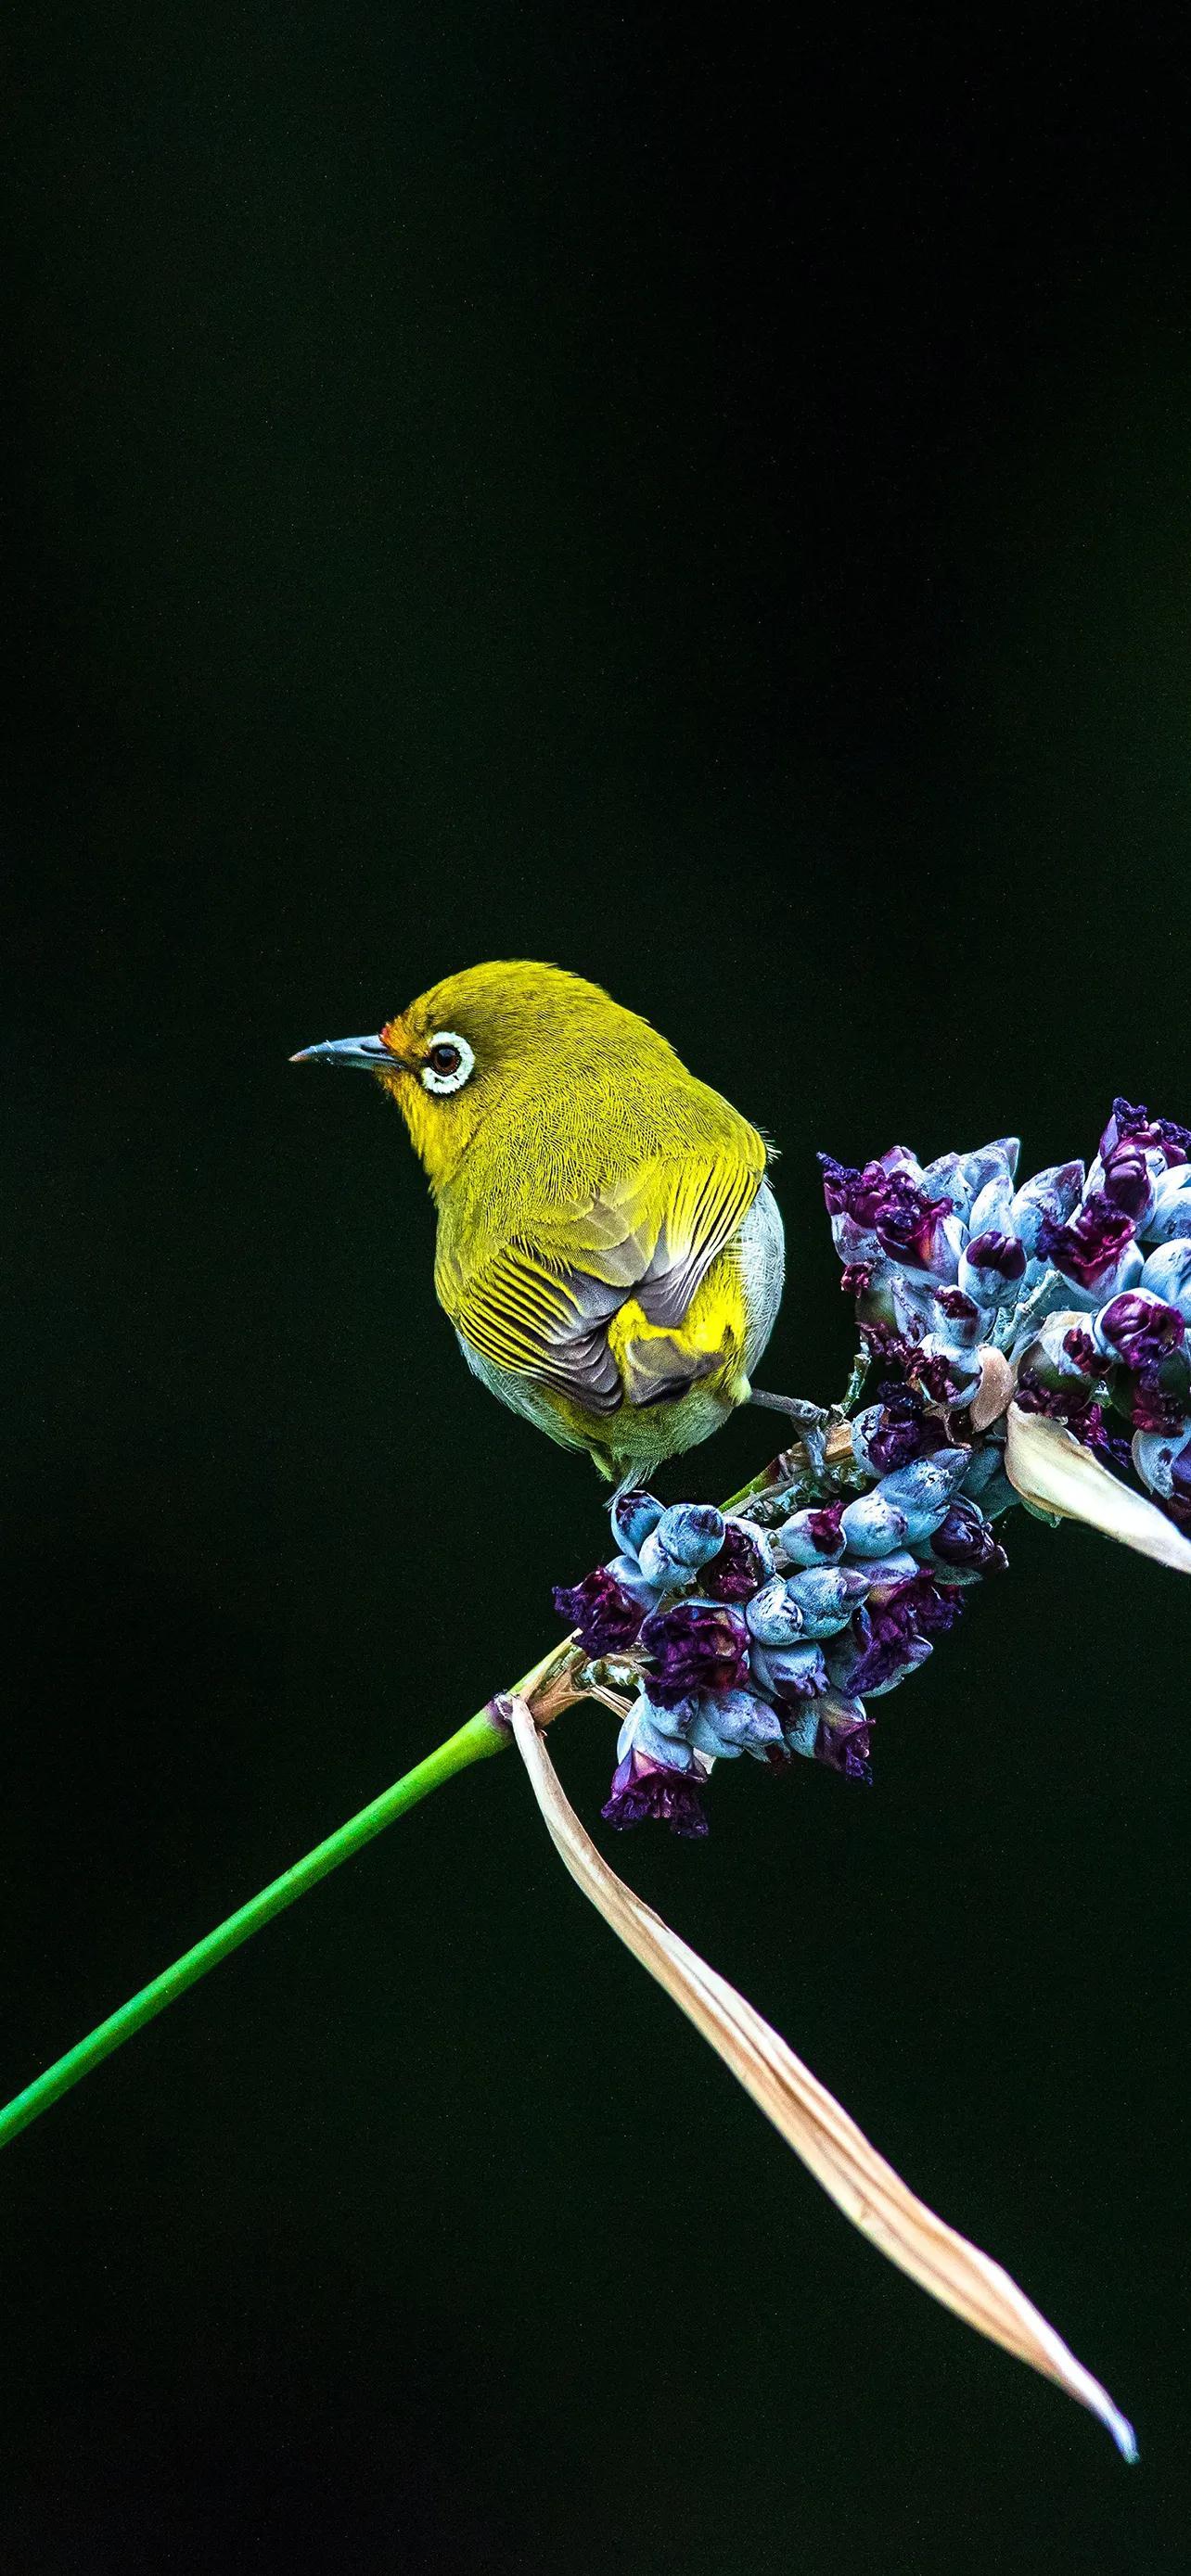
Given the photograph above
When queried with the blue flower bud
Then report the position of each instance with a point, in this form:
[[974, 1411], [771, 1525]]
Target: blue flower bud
[[1167, 1274], [922, 1491], [1154, 1454], [873, 1526], [991, 1205], [729, 1723], [918, 1651], [656, 1563], [812, 1537], [1170, 1218], [789, 1672], [1053, 1193], [633, 1516], [827, 1595], [691, 1532], [659, 1733], [887, 1571], [628, 1574], [992, 1268], [970, 1173], [773, 1615], [801, 1728]]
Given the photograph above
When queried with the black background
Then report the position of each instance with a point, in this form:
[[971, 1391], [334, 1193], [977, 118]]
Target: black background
[[706, 501]]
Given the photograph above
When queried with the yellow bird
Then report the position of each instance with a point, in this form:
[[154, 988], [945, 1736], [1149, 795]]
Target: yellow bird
[[609, 1251]]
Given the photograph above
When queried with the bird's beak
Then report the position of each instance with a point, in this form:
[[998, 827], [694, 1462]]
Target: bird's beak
[[360, 1055]]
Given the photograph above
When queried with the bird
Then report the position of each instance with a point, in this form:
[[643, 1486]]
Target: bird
[[609, 1250]]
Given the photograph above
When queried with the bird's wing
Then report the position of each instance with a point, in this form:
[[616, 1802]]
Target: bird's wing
[[540, 1305]]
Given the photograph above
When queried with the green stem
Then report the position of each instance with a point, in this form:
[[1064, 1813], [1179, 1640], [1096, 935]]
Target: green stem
[[470, 1744]]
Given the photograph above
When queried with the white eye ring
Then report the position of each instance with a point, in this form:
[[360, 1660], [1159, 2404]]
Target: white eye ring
[[442, 1083]]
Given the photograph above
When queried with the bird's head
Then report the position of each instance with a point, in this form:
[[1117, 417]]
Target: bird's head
[[463, 1047]]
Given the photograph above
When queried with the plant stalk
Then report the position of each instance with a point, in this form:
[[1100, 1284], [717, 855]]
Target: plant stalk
[[552, 1685]]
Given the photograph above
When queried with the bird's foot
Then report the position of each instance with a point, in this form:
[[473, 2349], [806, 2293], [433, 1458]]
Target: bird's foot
[[814, 1422]]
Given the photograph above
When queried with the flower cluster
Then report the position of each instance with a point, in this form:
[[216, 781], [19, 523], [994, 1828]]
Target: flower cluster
[[1082, 1280], [769, 1641], [769, 1630]]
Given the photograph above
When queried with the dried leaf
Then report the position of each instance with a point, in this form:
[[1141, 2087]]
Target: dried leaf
[[867, 2189], [1052, 1469], [995, 1390]]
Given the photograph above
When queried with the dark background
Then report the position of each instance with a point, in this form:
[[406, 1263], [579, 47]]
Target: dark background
[[707, 502]]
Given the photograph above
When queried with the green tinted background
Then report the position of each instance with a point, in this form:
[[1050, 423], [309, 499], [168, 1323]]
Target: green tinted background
[[708, 504]]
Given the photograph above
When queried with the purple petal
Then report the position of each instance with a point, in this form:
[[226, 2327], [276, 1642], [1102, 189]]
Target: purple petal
[[1089, 1248], [645, 1792], [606, 1616], [744, 1563], [694, 1646]]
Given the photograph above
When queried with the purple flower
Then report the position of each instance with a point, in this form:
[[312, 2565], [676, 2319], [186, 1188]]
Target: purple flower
[[694, 1646], [1001, 1255], [1142, 1330], [647, 1791], [1064, 1403], [909, 1226], [895, 1429], [856, 1277], [744, 1563], [1081, 1351], [843, 1740], [1146, 1403], [1128, 1181], [957, 1308], [823, 1528], [892, 1634], [883, 1199], [1136, 1125], [606, 1616], [966, 1541], [1089, 1248]]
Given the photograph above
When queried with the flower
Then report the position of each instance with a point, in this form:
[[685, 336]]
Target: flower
[[1167, 1274], [827, 1595], [1052, 1194], [992, 1264], [694, 1646], [1091, 1247], [1140, 1329], [843, 1739], [605, 1614], [789, 1672], [744, 1563], [1136, 1125], [725, 1724], [897, 1428], [1170, 1217], [686, 1537], [886, 1202], [965, 1540], [644, 1790], [634, 1515]]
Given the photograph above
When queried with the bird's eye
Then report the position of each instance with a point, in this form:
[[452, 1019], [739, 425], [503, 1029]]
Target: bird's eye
[[447, 1063]]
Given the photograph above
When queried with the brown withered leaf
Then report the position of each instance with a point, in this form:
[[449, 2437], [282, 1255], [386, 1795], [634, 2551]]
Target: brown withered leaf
[[820, 2131]]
